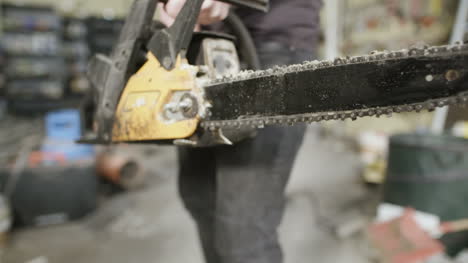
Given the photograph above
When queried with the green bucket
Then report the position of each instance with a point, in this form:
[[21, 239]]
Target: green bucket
[[430, 174]]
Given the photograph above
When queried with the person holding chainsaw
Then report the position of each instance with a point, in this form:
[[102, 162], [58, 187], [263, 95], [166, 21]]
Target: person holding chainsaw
[[236, 193]]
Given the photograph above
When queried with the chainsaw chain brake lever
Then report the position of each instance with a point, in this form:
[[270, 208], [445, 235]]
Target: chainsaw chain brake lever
[[168, 43]]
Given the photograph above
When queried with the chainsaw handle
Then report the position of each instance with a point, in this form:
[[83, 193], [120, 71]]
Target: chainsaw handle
[[261, 5], [168, 43]]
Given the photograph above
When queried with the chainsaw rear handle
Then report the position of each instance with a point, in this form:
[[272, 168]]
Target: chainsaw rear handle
[[168, 44], [261, 5]]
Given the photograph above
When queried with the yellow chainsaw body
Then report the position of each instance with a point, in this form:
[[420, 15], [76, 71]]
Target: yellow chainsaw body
[[140, 112]]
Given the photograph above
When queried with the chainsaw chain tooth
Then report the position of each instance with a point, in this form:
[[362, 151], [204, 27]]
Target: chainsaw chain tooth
[[430, 106], [418, 107], [378, 112]]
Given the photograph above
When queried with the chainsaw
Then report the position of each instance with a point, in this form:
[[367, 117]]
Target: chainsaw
[[170, 85]]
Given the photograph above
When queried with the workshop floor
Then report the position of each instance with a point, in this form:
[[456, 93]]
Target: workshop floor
[[325, 198]]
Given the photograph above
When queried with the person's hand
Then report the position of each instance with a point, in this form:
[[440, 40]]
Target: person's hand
[[211, 12]]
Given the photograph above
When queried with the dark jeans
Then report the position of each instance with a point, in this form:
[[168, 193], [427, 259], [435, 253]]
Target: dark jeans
[[235, 193]]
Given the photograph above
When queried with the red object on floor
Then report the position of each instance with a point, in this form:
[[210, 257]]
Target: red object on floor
[[402, 240]]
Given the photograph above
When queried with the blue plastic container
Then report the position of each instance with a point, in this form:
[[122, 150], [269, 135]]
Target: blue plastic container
[[63, 125], [63, 128]]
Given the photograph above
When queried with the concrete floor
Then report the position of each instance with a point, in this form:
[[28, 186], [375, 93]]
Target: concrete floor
[[151, 225]]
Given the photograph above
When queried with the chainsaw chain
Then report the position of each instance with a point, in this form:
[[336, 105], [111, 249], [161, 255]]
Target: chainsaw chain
[[375, 56]]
